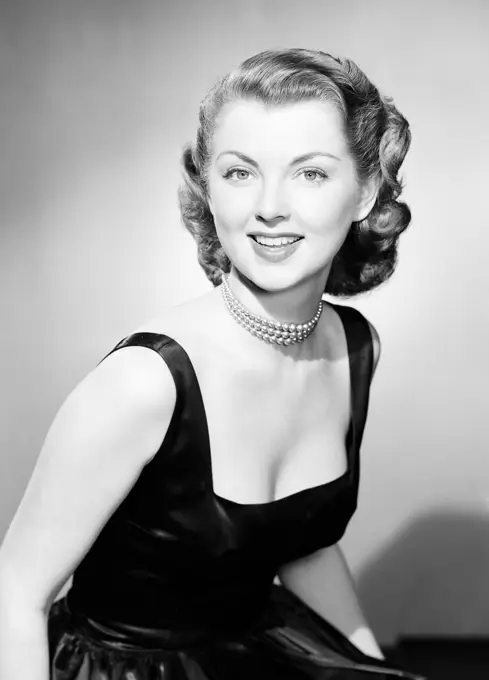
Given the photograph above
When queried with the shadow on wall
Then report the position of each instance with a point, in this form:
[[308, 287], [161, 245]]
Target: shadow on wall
[[427, 581]]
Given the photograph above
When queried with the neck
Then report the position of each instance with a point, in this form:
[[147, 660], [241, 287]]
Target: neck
[[296, 304]]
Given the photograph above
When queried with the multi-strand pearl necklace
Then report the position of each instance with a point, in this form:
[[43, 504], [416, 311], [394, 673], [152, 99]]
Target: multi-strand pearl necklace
[[266, 329]]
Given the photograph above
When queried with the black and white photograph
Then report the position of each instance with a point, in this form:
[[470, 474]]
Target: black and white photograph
[[244, 333]]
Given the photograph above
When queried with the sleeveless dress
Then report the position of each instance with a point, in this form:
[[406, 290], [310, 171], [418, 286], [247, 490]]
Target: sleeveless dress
[[180, 583]]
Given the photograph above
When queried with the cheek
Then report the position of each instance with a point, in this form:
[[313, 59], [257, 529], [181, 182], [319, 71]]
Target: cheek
[[231, 210], [325, 212]]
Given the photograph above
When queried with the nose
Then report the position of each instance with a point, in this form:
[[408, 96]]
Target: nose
[[272, 204]]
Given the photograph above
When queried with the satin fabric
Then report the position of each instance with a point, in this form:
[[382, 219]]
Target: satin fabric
[[179, 584], [288, 642]]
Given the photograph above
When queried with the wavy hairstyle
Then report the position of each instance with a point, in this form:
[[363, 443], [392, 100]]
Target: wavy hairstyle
[[377, 135]]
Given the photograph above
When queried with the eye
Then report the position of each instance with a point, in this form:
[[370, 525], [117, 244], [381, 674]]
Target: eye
[[231, 172], [315, 171]]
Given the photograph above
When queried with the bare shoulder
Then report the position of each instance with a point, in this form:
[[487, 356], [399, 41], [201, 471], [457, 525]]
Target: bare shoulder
[[334, 328], [192, 314], [135, 377], [376, 343], [377, 346], [190, 324], [145, 369]]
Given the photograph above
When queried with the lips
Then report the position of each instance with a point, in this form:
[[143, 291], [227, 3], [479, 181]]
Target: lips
[[275, 253]]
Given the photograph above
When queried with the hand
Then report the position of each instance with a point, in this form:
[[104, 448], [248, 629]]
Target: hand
[[364, 639]]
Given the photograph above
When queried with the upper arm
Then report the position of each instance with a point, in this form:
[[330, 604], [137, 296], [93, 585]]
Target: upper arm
[[377, 347], [104, 433]]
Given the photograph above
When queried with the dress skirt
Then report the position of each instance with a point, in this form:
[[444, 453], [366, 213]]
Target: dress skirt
[[289, 642]]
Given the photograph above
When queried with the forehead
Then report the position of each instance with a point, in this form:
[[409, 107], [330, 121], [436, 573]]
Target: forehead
[[299, 126]]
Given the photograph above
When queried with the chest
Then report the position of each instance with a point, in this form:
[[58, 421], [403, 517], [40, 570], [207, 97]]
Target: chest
[[274, 433]]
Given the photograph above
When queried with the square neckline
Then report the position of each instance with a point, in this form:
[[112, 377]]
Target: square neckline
[[349, 439]]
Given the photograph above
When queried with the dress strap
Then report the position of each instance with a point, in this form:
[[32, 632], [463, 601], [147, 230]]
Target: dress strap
[[360, 351], [189, 407], [153, 341]]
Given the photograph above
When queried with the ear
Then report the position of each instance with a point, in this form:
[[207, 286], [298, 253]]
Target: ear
[[369, 189]]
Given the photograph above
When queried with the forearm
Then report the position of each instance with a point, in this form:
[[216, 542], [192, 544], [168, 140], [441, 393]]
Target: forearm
[[323, 582], [24, 650]]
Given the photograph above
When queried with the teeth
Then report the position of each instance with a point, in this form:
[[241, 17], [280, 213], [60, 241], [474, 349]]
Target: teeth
[[276, 240]]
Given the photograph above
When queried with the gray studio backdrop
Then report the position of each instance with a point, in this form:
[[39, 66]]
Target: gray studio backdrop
[[98, 97]]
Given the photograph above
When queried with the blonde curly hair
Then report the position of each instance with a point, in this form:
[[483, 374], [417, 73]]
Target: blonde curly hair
[[378, 138]]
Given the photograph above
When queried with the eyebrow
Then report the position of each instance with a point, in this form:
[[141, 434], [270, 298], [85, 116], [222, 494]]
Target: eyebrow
[[294, 161]]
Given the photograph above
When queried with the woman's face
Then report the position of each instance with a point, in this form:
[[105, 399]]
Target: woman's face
[[260, 187]]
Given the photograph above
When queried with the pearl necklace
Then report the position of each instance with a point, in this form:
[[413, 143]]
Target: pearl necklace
[[266, 329]]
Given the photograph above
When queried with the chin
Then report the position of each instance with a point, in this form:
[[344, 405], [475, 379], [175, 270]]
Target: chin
[[269, 279]]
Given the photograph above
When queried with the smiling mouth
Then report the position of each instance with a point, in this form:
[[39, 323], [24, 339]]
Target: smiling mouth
[[275, 242]]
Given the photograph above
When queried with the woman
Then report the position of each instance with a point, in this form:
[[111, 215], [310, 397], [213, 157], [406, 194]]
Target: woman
[[180, 492]]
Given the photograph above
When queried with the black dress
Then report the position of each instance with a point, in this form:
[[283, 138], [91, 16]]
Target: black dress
[[179, 584]]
